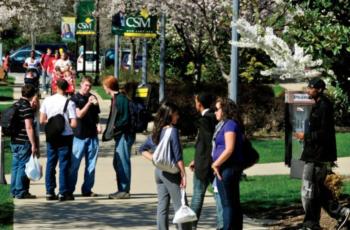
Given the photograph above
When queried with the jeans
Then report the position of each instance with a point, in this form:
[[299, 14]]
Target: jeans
[[315, 195], [61, 154], [46, 78], [219, 211], [228, 189], [19, 179], [199, 189], [87, 148], [121, 161], [168, 187]]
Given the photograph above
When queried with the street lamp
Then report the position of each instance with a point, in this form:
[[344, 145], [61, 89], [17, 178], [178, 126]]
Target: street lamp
[[234, 53]]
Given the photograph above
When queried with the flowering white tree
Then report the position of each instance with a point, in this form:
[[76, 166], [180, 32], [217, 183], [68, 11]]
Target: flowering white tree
[[289, 64]]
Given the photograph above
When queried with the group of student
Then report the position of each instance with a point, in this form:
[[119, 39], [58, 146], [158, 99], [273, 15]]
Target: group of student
[[218, 152]]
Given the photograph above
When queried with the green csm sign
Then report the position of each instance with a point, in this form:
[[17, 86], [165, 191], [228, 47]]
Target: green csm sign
[[141, 25], [85, 21]]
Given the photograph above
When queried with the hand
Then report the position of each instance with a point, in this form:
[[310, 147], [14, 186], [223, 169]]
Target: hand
[[299, 135], [216, 170], [99, 129], [34, 150], [191, 166], [183, 181], [93, 100]]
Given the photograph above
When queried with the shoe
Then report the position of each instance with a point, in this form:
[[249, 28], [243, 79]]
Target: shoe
[[65, 197], [26, 196], [119, 195], [344, 220], [51, 196], [90, 194]]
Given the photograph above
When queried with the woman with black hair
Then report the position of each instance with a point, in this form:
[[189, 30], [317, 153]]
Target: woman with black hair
[[168, 185], [227, 156]]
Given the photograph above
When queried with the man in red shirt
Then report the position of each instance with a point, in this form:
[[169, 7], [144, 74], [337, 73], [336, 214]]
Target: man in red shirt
[[46, 75]]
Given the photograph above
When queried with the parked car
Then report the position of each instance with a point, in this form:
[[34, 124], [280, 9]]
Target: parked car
[[42, 47], [125, 61], [90, 63], [18, 57]]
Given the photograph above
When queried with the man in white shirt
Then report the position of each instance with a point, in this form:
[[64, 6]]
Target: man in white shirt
[[60, 149]]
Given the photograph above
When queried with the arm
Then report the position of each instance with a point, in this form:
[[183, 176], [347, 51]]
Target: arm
[[73, 123], [181, 166], [43, 118], [31, 134], [147, 155], [230, 139]]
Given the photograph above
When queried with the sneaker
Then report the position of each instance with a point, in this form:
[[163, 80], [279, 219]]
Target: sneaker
[[119, 195], [26, 196], [51, 196], [344, 220], [65, 197], [90, 194]]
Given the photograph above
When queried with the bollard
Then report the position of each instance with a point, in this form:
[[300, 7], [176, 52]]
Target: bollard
[[2, 159]]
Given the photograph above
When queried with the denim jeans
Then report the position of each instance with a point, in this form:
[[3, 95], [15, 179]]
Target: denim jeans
[[61, 154], [199, 189], [19, 179], [45, 80], [121, 161], [87, 148], [168, 187], [315, 195], [228, 189]]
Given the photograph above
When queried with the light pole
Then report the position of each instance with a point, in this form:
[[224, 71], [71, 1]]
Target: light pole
[[234, 53], [162, 58]]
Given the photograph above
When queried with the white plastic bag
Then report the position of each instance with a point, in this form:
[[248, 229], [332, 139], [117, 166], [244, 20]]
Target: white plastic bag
[[184, 214], [33, 168], [162, 158]]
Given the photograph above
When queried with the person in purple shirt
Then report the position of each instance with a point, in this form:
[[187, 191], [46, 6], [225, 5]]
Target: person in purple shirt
[[227, 156], [168, 185]]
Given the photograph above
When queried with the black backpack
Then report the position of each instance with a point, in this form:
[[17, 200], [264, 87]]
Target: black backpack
[[55, 126], [139, 116], [250, 155], [9, 120]]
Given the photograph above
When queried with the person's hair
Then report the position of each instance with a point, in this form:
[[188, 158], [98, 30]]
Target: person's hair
[[205, 99], [62, 84], [163, 118], [87, 78], [28, 91], [230, 110], [111, 83]]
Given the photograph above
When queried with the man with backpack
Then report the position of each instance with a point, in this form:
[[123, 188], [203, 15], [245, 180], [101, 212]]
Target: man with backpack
[[85, 141], [58, 113], [22, 143]]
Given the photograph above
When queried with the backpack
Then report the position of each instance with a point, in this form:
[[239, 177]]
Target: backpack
[[250, 155], [55, 126], [139, 116], [9, 120]]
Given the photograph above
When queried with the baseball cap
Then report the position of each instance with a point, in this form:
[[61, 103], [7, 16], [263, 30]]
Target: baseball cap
[[317, 83]]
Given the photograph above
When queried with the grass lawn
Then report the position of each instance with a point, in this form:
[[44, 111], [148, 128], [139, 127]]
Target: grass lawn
[[273, 150], [6, 92], [100, 91], [6, 208]]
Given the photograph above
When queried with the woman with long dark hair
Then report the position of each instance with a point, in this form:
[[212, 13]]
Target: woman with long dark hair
[[168, 185], [227, 156]]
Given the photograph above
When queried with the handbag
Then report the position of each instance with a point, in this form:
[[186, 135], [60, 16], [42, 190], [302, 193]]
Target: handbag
[[56, 125], [162, 156], [184, 214], [250, 155], [33, 169]]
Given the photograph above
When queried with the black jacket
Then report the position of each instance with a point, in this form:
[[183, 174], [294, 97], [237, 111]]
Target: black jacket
[[206, 126], [319, 140]]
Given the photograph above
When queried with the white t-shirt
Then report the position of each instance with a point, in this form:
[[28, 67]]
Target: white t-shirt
[[63, 64], [54, 105], [32, 64]]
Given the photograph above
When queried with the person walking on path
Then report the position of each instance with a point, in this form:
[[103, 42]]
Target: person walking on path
[[23, 144], [201, 165], [85, 141], [227, 156], [319, 155], [46, 59], [168, 185], [118, 128], [61, 148], [6, 64]]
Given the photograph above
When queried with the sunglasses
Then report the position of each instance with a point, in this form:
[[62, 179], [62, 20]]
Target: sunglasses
[[216, 109]]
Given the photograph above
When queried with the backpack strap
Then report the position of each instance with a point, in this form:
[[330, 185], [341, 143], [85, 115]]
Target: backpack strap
[[65, 106]]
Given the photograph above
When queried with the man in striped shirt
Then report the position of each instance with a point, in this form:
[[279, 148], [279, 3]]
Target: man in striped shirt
[[23, 144]]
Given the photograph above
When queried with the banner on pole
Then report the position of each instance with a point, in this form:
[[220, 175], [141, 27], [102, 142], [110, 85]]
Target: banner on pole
[[140, 25], [85, 19], [68, 29]]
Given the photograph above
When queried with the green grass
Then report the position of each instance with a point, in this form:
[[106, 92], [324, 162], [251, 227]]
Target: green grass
[[273, 150], [100, 91], [278, 90], [6, 92], [6, 208]]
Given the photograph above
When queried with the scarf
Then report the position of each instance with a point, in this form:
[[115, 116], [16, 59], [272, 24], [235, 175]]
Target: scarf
[[216, 132]]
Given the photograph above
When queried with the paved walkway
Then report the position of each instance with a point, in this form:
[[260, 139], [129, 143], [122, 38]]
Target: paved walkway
[[139, 212]]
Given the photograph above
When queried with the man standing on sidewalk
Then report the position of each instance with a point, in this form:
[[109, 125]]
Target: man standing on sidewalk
[[319, 155], [61, 148], [23, 144], [85, 141], [201, 165]]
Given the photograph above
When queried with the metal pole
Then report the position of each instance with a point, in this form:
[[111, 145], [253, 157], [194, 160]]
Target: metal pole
[[144, 62], [97, 74], [2, 160], [234, 53], [116, 56], [84, 55], [162, 59]]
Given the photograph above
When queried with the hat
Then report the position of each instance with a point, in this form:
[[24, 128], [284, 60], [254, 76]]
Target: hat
[[317, 83]]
